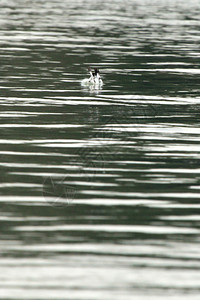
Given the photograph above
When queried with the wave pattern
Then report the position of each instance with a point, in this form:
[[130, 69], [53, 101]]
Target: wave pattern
[[99, 188]]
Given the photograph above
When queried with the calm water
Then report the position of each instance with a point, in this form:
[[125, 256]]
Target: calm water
[[100, 188]]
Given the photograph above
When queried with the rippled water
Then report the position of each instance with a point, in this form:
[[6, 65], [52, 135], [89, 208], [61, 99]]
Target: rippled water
[[100, 187]]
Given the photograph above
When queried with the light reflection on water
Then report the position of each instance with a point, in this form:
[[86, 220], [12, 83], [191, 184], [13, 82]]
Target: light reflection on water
[[99, 188]]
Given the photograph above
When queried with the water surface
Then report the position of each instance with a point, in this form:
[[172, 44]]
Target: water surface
[[99, 188]]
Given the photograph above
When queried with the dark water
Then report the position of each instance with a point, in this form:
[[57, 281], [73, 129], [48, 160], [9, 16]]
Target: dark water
[[100, 188]]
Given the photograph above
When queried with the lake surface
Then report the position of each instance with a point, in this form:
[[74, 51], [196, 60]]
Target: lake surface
[[100, 188]]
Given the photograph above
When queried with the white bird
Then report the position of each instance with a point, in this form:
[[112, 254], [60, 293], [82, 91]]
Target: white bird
[[94, 81]]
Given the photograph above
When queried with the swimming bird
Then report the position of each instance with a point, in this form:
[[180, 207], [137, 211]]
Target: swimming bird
[[94, 80]]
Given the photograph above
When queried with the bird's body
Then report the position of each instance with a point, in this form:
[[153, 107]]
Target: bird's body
[[94, 80]]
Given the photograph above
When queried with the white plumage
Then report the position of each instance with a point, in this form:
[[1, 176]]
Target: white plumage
[[94, 80]]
